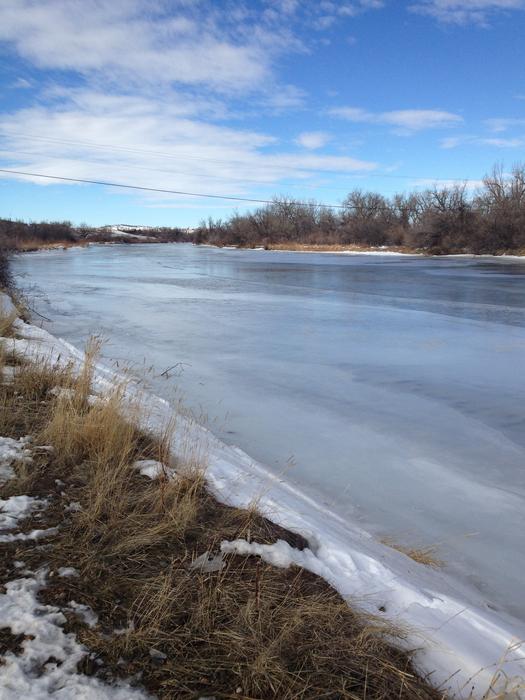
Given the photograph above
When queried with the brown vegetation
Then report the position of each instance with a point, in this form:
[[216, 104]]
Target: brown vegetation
[[246, 630], [438, 221], [23, 237], [426, 555]]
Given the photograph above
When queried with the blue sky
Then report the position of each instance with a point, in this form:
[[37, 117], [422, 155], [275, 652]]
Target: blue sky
[[251, 99]]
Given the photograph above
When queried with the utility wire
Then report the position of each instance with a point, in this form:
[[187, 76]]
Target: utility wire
[[165, 191], [200, 175]]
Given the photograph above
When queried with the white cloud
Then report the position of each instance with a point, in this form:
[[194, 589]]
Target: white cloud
[[135, 42], [503, 143], [153, 143], [326, 13], [440, 183], [288, 7], [406, 120], [313, 139], [499, 125], [465, 11], [154, 83], [22, 84], [453, 141], [496, 142], [284, 98]]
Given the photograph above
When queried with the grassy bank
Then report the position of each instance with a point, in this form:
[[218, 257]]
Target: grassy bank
[[121, 556]]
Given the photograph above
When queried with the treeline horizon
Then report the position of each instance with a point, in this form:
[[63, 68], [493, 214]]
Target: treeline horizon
[[439, 220], [17, 235]]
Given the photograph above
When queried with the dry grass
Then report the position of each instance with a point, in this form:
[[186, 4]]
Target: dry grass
[[423, 555], [248, 630], [336, 248], [6, 324], [28, 245]]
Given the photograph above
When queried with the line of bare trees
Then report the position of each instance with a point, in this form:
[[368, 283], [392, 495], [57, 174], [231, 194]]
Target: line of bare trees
[[19, 235], [437, 221]]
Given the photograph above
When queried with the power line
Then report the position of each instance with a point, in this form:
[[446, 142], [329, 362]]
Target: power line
[[165, 191], [221, 178]]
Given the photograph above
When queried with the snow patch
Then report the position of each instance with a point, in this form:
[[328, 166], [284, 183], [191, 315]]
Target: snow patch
[[86, 613], [73, 507], [12, 451], [279, 554], [153, 469], [16, 508], [33, 535], [47, 666], [62, 392], [8, 374]]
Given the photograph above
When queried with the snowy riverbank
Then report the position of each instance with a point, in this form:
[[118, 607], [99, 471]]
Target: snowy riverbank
[[381, 251], [463, 643]]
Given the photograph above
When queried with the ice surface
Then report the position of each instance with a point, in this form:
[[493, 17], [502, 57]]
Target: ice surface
[[460, 641], [396, 384]]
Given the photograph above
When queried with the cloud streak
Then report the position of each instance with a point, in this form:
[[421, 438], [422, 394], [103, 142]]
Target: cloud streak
[[465, 11], [91, 135], [125, 42], [313, 139], [404, 120]]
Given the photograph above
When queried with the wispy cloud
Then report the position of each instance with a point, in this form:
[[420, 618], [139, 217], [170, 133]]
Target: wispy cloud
[[492, 141], [150, 86], [322, 15], [465, 11], [405, 120], [499, 125], [470, 185], [503, 143], [155, 143], [22, 84], [313, 139], [129, 41]]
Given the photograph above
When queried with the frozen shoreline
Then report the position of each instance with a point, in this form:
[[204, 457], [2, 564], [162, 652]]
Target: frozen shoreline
[[458, 635], [370, 252], [392, 253]]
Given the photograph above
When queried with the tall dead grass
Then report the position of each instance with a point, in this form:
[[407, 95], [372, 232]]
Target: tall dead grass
[[28, 245], [244, 630]]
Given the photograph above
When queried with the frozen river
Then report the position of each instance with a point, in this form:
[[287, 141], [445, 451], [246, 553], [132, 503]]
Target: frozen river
[[391, 388]]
